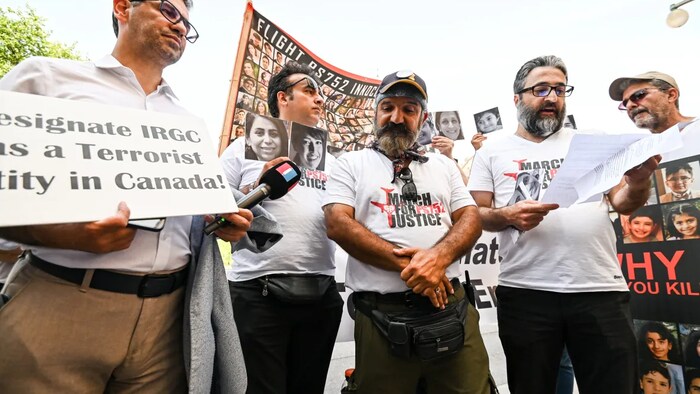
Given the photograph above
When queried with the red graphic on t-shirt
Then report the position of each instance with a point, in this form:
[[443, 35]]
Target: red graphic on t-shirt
[[404, 213], [387, 207]]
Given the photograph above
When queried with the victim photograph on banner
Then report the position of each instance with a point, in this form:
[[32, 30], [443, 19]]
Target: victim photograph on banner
[[659, 249], [263, 50]]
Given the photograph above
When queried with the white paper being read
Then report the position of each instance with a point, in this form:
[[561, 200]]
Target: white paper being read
[[597, 162]]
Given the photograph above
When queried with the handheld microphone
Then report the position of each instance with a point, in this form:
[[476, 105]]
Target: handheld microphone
[[274, 183]]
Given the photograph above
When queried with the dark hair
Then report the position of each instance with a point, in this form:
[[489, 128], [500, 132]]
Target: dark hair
[[439, 115], [674, 168], [664, 333], [691, 349], [690, 375], [249, 120], [646, 211], [541, 61], [279, 81], [648, 366], [298, 140], [115, 23], [681, 209]]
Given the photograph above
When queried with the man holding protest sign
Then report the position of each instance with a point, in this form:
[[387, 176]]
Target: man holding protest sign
[[285, 301], [99, 305], [560, 281]]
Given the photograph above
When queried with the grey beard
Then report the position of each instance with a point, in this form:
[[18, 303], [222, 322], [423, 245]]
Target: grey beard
[[541, 127], [651, 121], [395, 145]]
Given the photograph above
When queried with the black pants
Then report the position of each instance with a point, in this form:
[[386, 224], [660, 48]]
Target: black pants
[[287, 348], [596, 328]]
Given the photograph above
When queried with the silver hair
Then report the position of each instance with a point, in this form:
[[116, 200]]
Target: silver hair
[[540, 61]]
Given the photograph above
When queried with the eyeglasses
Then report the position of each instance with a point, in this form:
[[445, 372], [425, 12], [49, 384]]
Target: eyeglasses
[[635, 97], [408, 191], [545, 90], [310, 83], [173, 15], [679, 179]]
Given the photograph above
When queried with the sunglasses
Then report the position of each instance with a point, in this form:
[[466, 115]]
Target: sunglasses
[[310, 83], [408, 191], [635, 97]]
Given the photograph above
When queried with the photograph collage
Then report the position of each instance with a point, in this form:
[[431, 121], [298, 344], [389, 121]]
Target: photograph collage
[[267, 138], [669, 357], [672, 212], [348, 118]]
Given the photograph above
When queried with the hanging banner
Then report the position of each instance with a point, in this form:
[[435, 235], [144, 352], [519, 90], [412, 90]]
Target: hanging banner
[[658, 251], [263, 50]]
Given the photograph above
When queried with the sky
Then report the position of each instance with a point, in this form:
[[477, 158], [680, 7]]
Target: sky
[[467, 52]]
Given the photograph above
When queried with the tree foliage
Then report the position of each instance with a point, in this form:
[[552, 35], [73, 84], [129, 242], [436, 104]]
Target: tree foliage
[[23, 34]]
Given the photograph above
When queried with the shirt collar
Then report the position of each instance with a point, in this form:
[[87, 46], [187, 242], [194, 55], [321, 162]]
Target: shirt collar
[[109, 62]]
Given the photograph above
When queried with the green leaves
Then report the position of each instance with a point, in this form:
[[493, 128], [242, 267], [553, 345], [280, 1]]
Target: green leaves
[[23, 34]]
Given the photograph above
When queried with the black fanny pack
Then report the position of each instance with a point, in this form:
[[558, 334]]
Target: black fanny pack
[[296, 289], [428, 335]]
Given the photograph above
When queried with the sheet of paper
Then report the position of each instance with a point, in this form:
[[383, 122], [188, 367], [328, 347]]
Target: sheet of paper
[[596, 162]]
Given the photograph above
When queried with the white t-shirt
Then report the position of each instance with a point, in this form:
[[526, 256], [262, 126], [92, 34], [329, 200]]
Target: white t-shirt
[[106, 81], [305, 247], [690, 133], [572, 249], [362, 180]]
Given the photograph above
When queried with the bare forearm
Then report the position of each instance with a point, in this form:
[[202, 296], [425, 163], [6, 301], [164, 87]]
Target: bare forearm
[[52, 235], [462, 236], [494, 219], [363, 244], [627, 198]]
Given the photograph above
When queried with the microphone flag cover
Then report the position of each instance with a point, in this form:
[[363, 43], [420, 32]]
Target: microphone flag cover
[[281, 178]]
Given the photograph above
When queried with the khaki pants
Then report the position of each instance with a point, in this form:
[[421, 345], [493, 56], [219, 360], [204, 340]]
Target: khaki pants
[[58, 337], [378, 371]]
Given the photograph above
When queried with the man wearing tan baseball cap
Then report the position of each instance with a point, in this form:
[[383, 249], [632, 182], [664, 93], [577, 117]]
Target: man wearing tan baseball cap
[[650, 99]]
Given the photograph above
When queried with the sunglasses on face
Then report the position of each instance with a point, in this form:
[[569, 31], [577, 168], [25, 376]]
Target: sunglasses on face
[[635, 97], [173, 15], [408, 191]]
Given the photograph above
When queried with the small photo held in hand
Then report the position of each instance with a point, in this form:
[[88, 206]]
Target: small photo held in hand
[[449, 125], [427, 131], [308, 147], [488, 121], [265, 138]]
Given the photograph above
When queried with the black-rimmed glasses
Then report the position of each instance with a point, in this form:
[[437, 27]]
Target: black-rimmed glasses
[[635, 97], [173, 15], [311, 83], [408, 191], [545, 90]]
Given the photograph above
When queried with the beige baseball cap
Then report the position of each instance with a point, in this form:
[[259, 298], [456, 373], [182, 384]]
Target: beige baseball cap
[[619, 85]]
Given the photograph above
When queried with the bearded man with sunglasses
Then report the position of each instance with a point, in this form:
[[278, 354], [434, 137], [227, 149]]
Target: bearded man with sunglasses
[[405, 218], [560, 281], [651, 101], [287, 339], [98, 307]]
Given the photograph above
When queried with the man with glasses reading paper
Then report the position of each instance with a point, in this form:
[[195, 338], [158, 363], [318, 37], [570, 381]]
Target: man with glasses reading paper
[[560, 281], [98, 307], [405, 218]]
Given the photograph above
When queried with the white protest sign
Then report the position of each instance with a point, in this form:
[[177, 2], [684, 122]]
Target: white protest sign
[[71, 161]]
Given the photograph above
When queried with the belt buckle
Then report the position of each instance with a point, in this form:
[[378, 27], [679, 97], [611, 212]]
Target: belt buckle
[[153, 285]]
